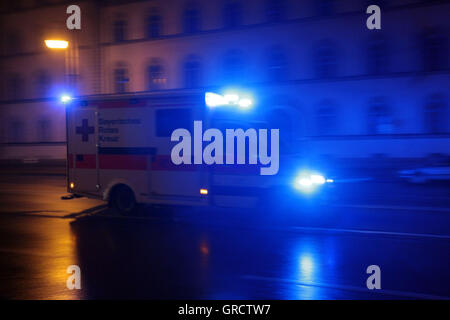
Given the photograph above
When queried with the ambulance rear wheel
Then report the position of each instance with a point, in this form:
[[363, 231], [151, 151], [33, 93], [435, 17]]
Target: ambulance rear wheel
[[123, 200]]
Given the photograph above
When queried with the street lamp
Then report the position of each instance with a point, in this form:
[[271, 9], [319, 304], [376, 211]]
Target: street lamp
[[71, 59], [57, 44], [70, 73]]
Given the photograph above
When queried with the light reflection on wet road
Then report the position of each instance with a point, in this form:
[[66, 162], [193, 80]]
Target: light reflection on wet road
[[35, 253], [167, 257]]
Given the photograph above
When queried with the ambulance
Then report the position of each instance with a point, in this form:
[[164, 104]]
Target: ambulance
[[119, 150]]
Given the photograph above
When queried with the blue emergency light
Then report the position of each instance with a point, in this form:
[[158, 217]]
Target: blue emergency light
[[213, 100], [65, 98]]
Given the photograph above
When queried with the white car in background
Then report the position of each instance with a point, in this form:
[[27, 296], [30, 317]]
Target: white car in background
[[439, 172]]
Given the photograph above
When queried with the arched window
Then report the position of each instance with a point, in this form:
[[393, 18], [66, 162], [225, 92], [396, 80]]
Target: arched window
[[325, 59], [191, 71], [326, 119], [156, 78], [15, 87], [435, 53], [42, 83], [120, 77], [119, 29], [153, 24], [232, 14], [377, 55], [277, 69], [191, 18], [233, 67], [380, 117], [436, 120], [276, 10]]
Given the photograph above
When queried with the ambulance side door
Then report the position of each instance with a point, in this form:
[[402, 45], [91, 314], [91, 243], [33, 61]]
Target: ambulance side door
[[169, 181]]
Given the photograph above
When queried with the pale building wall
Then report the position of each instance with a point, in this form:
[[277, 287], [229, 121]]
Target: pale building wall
[[405, 88]]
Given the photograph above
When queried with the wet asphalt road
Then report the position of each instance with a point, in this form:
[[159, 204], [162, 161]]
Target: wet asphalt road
[[321, 253]]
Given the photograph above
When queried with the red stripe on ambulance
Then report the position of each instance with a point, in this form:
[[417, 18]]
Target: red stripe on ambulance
[[164, 163], [123, 162], [85, 161]]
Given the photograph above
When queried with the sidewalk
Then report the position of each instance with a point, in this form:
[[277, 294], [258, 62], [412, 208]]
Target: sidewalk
[[57, 169]]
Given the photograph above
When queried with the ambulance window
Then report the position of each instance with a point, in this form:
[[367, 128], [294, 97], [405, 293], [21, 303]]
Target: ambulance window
[[167, 120]]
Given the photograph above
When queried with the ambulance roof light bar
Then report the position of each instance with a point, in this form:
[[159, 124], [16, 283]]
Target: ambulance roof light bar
[[213, 100]]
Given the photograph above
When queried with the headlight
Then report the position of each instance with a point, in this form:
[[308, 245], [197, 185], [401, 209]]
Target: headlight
[[308, 182], [317, 179]]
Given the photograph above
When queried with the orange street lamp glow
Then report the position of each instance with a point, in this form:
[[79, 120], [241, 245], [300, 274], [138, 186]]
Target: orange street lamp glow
[[56, 44]]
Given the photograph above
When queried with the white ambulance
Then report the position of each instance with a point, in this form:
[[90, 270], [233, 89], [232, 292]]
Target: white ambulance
[[119, 150]]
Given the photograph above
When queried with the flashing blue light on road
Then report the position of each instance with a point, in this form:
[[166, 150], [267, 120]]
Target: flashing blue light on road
[[213, 100], [65, 98], [306, 267]]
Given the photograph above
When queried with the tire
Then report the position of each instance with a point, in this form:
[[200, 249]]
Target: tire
[[122, 199]]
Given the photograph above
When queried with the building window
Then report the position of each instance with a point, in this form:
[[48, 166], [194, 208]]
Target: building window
[[14, 43], [281, 119], [325, 60], [233, 67], [154, 25], [326, 119], [191, 68], [435, 54], [435, 117], [121, 79], [277, 64], [156, 76], [43, 83], [16, 5], [380, 117], [44, 129], [191, 18], [377, 55], [15, 87], [16, 132], [275, 10], [119, 30], [232, 14], [325, 7]]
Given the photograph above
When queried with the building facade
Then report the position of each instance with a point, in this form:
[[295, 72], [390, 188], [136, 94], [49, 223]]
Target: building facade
[[336, 88]]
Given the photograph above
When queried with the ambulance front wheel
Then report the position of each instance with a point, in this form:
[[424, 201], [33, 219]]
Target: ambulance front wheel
[[122, 199]]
